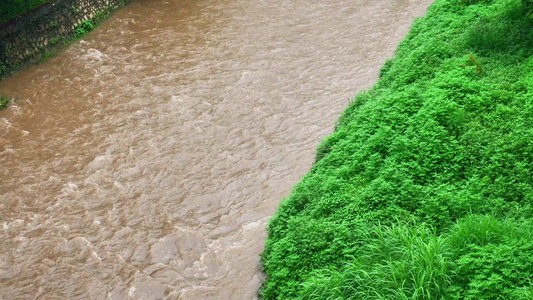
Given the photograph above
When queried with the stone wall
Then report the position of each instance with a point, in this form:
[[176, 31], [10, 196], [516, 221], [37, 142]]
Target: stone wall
[[28, 39]]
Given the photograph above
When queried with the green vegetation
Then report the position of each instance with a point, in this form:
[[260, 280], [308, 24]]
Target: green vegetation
[[46, 56], [53, 41], [425, 189], [84, 28], [3, 102], [528, 7], [12, 8]]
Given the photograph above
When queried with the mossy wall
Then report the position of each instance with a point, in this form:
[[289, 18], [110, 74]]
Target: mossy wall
[[11, 9], [29, 38]]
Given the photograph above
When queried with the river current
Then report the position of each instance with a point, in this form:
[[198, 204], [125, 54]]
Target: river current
[[144, 160]]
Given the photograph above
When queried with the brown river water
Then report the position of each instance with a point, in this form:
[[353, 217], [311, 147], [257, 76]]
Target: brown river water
[[144, 161]]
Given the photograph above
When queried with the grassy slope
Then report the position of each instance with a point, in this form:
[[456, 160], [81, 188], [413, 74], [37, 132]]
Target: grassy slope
[[425, 190]]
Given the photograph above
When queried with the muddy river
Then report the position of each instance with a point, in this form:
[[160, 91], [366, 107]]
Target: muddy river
[[144, 160]]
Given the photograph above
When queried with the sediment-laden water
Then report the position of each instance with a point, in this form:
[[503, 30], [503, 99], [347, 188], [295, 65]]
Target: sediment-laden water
[[144, 160]]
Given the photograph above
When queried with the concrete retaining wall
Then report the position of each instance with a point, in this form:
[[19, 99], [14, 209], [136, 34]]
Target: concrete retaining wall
[[26, 40]]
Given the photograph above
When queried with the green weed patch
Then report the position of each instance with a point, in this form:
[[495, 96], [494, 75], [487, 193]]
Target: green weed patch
[[425, 189], [3, 102]]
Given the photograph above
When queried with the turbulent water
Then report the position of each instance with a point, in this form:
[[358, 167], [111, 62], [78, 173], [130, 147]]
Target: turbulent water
[[144, 160]]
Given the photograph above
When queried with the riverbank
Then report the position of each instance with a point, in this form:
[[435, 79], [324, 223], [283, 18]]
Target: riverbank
[[34, 36], [168, 195], [424, 190]]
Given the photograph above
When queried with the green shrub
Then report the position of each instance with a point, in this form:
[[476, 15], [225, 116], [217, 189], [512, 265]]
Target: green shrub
[[3, 102], [528, 7], [84, 28]]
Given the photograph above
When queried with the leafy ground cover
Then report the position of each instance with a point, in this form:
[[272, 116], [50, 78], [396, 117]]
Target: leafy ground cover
[[9, 9], [3, 102], [425, 189]]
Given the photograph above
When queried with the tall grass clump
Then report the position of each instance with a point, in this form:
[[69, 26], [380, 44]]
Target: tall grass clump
[[400, 262], [424, 190]]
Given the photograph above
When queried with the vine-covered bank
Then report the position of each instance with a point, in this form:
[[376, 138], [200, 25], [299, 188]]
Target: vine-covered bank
[[425, 189]]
